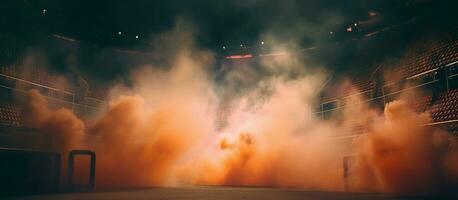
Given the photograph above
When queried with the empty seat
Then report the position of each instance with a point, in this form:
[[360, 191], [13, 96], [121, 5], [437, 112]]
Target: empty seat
[[9, 115], [421, 104], [431, 55], [446, 106]]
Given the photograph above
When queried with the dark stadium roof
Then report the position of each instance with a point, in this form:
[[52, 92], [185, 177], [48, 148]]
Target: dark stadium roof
[[132, 24]]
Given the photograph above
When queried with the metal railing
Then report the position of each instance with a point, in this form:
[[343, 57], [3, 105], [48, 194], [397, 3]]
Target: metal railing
[[72, 103]]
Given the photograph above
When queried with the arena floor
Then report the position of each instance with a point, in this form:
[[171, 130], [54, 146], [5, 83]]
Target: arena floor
[[215, 193]]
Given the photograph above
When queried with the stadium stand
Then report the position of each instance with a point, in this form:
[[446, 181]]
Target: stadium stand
[[428, 55], [453, 129], [9, 115], [446, 106], [421, 104], [430, 67], [353, 130]]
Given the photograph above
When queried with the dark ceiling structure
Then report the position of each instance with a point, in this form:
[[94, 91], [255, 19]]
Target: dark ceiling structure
[[103, 40], [228, 24]]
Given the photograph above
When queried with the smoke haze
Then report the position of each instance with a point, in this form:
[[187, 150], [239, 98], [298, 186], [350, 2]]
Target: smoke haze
[[165, 130]]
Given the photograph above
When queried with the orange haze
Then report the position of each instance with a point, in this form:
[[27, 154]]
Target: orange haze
[[165, 131]]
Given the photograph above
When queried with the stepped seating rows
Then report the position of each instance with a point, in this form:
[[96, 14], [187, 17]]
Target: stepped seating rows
[[9, 70], [453, 129], [421, 104], [35, 74], [446, 107], [40, 76], [435, 56], [98, 92], [9, 115], [354, 129], [361, 85]]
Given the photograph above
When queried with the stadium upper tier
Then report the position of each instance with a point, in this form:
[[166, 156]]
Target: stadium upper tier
[[428, 65]]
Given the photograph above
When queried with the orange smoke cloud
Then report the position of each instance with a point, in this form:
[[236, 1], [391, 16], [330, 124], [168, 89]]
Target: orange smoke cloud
[[140, 147], [162, 131], [64, 126], [270, 162], [275, 142], [143, 138], [402, 155]]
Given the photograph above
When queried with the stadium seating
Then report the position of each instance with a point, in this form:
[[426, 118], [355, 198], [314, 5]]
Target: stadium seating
[[361, 85], [353, 130], [432, 55], [453, 129], [421, 104], [446, 107], [9, 115]]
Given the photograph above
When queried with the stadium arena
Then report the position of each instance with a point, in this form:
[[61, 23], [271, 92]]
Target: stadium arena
[[229, 100]]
